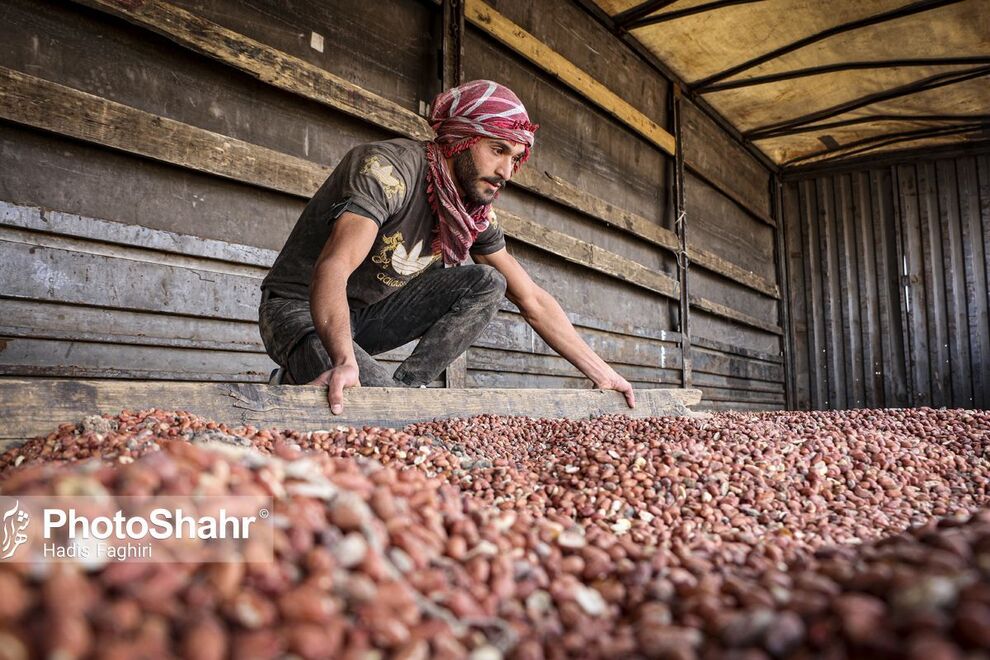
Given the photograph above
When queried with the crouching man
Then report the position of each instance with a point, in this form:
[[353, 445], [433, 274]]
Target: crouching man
[[375, 259]]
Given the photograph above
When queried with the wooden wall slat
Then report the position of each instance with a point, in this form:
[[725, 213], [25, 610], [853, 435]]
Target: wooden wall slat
[[862, 242], [831, 295], [892, 322], [934, 284], [975, 266], [796, 289], [916, 250], [849, 278], [956, 348], [813, 276]]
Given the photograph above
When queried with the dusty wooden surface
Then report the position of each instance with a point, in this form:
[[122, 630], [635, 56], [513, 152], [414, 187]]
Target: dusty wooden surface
[[34, 407]]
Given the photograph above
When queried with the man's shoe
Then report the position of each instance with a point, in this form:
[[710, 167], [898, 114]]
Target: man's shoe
[[277, 377]]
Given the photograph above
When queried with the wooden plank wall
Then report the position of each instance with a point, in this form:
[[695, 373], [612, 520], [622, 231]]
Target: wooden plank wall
[[888, 266], [136, 252]]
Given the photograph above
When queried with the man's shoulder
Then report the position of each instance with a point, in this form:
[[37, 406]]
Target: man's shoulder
[[399, 150]]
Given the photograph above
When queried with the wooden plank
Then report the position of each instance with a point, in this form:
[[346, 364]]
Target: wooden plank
[[704, 381], [984, 197], [960, 391], [724, 365], [511, 333], [55, 320], [265, 63], [783, 309], [728, 193], [733, 349], [792, 222], [863, 236], [36, 407], [558, 190], [973, 195], [849, 281], [729, 406], [503, 361], [715, 394], [886, 249], [585, 254], [710, 153], [816, 348], [30, 356], [32, 319], [912, 289], [487, 380], [933, 279], [522, 42], [71, 224], [834, 353], [728, 313], [69, 276], [38, 103], [724, 229]]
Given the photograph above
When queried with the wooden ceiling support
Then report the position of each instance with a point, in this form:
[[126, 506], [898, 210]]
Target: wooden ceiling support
[[840, 66], [876, 141], [900, 12], [681, 13], [934, 82], [869, 119], [632, 14]]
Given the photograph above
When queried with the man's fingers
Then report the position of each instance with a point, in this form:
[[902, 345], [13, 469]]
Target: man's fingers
[[335, 394], [630, 397], [322, 379]]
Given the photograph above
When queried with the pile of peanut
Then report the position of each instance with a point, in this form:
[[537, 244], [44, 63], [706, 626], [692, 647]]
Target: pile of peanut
[[840, 534]]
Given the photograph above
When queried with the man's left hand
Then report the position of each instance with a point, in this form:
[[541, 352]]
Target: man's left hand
[[613, 381]]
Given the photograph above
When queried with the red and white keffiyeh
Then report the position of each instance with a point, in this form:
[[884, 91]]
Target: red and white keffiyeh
[[460, 117]]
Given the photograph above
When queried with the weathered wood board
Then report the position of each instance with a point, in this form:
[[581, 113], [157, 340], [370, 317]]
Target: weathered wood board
[[35, 407]]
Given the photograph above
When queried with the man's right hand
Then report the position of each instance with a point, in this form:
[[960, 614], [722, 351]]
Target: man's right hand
[[336, 379]]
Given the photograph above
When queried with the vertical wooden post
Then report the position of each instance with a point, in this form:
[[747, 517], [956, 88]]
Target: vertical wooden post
[[680, 226], [452, 72], [783, 304]]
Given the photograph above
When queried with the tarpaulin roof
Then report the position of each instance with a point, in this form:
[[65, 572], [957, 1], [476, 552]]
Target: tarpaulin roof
[[811, 80]]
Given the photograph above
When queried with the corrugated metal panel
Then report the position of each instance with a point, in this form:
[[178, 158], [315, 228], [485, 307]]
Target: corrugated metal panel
[[889, 293]]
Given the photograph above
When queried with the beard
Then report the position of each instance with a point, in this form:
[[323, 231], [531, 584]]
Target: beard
[[470, 179]]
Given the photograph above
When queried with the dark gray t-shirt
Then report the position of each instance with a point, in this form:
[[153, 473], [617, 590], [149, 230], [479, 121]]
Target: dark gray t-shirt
[[385, 181]]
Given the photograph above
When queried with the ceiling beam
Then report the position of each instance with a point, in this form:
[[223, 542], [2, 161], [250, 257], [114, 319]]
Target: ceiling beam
[[665, 71], [656, 19], [876, 141], [868, 119], [886, 158], [838, 66], [900, 12], [623, 18], [934, 82]]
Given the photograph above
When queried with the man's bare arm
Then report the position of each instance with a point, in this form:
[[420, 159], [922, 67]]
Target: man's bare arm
[[542, 311], [349, 243]]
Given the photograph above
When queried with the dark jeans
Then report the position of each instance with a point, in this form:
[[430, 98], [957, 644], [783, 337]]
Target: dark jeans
[[445, 308]]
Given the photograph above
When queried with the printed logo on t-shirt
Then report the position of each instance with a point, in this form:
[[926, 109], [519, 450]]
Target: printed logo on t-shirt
[[403, 261], [382, 172], [408, 263]]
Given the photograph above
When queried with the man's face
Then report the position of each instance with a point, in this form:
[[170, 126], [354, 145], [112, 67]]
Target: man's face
[[484, 169]]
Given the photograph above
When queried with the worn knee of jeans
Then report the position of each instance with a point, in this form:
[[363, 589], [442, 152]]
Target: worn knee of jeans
[[488, 284]]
